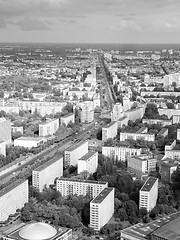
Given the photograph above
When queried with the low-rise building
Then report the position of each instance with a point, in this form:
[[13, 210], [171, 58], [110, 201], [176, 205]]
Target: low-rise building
[[72, 186], [49, 127], [109, 131], [161, 122], [163, 132], [70, 117], [102, 209], [13, 197], [29, 142], [137, 135], [120, 153], [17, 129], [88, 162], [148, 194], [75, 152], [45, 174]]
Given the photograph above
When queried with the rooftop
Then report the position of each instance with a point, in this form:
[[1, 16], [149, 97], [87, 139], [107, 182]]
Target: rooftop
[[87, 156], [67, 115], [48, 163], [110, 124], [83, 181], [142, 129], [148, 184], [163, 131], [48, 121], [30, 138], [105, 192], [11, 186], [74, 146], [142, 230]]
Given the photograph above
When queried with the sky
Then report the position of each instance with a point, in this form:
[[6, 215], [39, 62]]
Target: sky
[[90, 21]]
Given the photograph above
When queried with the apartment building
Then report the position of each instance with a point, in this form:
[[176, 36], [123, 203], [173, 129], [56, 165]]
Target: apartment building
[[5, 130], [29, 142], [163, 132], [141, 133], [45, 174], [109, 131], [102, 209], [171, 151], [142, 164], [120, 153], [167, 169], [117, 112], [88, 162], [13, 197], [17, 129], [161, 122], [72, 186], [70, 117], [86, 111], [75, 152], [49, 127], [148, 194], [3, 148]]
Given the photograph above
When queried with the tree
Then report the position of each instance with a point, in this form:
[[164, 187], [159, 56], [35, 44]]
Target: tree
[[151, 111], [122, 214]]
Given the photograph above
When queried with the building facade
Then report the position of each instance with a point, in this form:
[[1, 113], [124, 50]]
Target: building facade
[[109, 131], [46, 173], [86, 111], [88, 162], [13, 197], [148, 194], [102, 209], [48, 128], [70, 186], [5, 130], [29, 142], [68, 118], [75, 152]]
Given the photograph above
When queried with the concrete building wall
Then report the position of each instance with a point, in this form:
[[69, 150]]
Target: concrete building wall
[[86, 111], [71, 156], [13, 199], [46, 176], [109, 131], [147, 137], [3, 148], [5, 130], [48, 128], [90, 165], [17, 129], [68, 118], [28, 143]]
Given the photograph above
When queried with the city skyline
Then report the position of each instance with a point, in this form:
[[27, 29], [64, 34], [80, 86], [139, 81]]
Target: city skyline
[[95, 21]]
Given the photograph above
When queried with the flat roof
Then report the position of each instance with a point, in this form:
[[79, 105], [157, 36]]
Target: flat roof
[[142, 230], [87, 156], [48, 121], [74, 146], [110, 124], [148, 184], [83, 181], [48, 163], [11, 186], [163, 130], [141, 129], [30, 138], [105, 192], [67, 115]]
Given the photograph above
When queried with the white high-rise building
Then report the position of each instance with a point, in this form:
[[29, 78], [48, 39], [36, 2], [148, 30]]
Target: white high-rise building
[[49, 127], [86, 111], [109, 131], [88, 162], [149, 194], [72, 186], [102, 209], [46, 173], [75, 152], [117, 112], [13, 197]]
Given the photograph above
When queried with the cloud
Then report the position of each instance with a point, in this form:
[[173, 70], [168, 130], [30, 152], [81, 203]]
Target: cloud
[[126, 24], [32, 24], [3, 23], [68, 21]]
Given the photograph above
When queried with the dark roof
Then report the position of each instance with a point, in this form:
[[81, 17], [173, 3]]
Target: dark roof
[[74, 146], [148, 184], [48, 163], [105, 192], [83, 181], [87, 156], [110, 124], [11, 186]]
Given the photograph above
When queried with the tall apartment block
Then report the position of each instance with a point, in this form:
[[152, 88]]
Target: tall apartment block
[[5, 130], [13, 197], [75, 152], [149, 194], [86, 111], [109, 131], [70, 117], [46, 173], [48, 128], [102, 209], [88, 162], [70, 186], [117, 112]]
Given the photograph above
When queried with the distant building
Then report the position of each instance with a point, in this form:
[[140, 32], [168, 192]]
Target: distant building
[[49, 127], [149, 194], [17, 129], [161, 122], [163, 132], [166, 171], [171, 151], [109, 131], [37, 230], [13, 197], [88, 162], [117, 112], [102, 209], [72, 186], [29, 142], [141, 133], [120, 153], [75, 152], [70, 117], [86, 111], [5, 130], [45, 174], [3, 148]]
